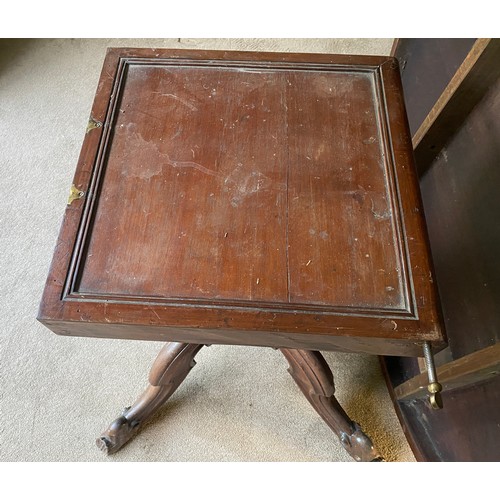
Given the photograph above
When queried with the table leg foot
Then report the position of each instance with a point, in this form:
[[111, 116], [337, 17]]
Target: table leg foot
[[312, 374], [170, 368]]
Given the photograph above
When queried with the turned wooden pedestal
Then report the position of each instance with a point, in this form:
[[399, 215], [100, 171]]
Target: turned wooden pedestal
[[247, 199]]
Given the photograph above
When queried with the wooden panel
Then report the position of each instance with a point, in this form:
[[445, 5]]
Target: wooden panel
[[477, 74], [401, 369], [231, 332], [461, 206], [427, 65], [188, 228], [395, 370], [471, 369], [461, 202], [198, 203], [466, 429], [342, 243]]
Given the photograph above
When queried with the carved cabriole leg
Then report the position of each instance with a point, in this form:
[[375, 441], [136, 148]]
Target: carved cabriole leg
[[312, 374], [170, 368]]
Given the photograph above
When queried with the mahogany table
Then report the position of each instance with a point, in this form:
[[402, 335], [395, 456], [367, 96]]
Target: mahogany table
[[249, 199]]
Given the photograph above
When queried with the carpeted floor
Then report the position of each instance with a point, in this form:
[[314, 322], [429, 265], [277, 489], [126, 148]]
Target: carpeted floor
[[58, 393]]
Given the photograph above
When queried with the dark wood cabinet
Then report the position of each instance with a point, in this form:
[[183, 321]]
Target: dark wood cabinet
[[457, 152]]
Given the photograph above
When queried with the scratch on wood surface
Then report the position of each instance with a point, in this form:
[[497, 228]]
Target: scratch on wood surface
[[153, 311], [143, 112], [190, 105], [138, 143], [188, 164], [241, 184], [386, 214]]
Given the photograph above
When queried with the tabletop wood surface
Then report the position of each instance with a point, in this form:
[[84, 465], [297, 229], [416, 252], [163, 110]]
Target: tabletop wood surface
[[247, 198]]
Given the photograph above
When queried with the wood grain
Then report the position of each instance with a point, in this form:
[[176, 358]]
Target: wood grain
[[197, 201], [342, 246]]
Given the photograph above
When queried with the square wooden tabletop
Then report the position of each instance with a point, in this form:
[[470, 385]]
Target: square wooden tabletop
[[246, 198]]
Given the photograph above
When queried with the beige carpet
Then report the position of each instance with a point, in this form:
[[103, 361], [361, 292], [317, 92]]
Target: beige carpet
[[57, 393]]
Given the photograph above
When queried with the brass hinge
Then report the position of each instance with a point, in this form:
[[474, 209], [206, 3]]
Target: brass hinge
[[93, 123], [74, 194]]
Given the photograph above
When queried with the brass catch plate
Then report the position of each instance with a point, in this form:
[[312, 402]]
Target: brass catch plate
[[93, 124], [74, 194]]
